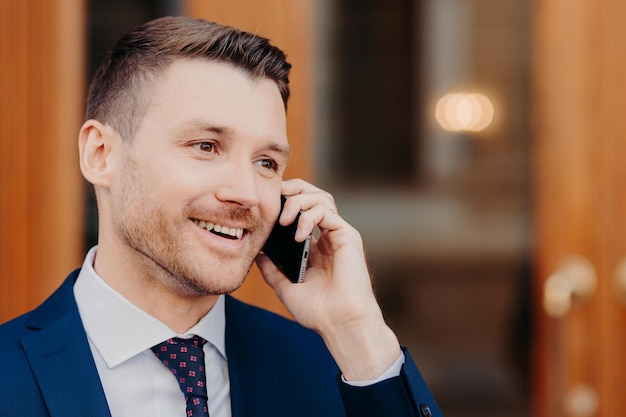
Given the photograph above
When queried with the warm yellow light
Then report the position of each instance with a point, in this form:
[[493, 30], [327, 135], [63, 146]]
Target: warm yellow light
[[464, 112]]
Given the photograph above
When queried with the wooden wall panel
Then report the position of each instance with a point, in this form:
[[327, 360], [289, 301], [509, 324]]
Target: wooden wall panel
[[41, 189], [580, 204], [289, 24]]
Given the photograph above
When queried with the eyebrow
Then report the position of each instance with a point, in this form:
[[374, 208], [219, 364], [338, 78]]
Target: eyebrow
[[285, 151], [218, 130]]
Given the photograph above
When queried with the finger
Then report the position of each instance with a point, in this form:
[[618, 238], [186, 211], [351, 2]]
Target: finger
[[317, 208], [313, 213], [297, 186], [307, 200], [318, 216], [271, 274]]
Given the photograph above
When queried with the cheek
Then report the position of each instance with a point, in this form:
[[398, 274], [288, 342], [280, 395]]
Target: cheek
[[169, 182], [270, 201], [270, 211], [144, 188]]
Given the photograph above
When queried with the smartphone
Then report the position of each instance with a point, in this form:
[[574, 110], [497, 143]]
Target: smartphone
[[288, 255]]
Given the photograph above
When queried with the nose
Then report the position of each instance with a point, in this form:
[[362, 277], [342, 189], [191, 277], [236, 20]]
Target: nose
[[239, 185]]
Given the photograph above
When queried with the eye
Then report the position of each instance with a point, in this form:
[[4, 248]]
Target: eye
[[209, 147], [268, 163]]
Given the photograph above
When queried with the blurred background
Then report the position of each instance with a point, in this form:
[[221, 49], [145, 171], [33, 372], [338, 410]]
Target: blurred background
[[476, 144]]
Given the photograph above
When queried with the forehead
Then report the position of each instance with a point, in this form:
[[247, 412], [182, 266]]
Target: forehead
[[219, 93]]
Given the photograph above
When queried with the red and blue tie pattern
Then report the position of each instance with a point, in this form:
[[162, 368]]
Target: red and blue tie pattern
[[185, 358]]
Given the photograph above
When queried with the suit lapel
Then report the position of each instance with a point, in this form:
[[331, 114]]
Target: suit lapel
[[58, 351], [252, 363]]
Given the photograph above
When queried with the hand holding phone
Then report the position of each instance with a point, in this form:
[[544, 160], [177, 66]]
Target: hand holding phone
[[288, 255]]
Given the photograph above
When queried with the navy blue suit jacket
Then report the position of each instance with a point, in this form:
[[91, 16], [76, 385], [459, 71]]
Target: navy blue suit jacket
[[277, 368]]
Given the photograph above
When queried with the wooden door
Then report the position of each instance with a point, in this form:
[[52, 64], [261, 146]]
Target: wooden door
[[41, 189], [580, 208]]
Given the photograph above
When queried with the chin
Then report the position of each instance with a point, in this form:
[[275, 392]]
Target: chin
[[226, 283]]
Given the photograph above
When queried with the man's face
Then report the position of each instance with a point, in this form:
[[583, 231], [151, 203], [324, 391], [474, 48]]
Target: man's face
[[198, 189]]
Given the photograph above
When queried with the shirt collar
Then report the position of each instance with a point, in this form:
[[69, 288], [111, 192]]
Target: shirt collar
[[120, 330]]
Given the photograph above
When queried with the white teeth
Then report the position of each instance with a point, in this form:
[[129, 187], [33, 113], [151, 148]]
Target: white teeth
[[234, 232]]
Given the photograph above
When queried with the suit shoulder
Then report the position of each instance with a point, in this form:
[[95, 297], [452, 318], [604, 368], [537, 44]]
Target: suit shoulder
[[58, 304], [10, 332], [268, 320], [286, 334]]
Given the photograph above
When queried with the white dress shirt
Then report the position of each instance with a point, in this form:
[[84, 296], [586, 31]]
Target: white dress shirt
[[135, 381]]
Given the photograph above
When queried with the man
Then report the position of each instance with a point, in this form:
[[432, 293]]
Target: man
[[185, 144]]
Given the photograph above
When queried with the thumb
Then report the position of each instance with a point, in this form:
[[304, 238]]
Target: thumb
[[271, 274]]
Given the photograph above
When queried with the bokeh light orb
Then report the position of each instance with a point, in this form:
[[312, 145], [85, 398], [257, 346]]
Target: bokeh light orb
[[464, 112]]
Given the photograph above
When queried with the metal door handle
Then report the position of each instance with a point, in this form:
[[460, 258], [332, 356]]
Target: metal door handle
[[574, 279], [581, 401]]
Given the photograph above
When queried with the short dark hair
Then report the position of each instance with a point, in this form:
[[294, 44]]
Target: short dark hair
[[117, 95]]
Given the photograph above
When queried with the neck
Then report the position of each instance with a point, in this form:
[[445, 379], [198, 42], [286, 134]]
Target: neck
[[177, 310]]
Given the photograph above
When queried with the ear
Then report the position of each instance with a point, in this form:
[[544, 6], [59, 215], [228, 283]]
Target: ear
[[96, 142]]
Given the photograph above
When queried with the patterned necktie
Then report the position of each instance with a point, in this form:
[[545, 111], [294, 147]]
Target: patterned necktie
[[185, 358]]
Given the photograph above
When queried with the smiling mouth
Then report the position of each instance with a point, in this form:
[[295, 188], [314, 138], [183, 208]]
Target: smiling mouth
[[233, 233]]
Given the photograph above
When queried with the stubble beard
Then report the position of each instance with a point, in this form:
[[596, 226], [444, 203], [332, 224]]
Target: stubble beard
[[167, 258], [164, 252]]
